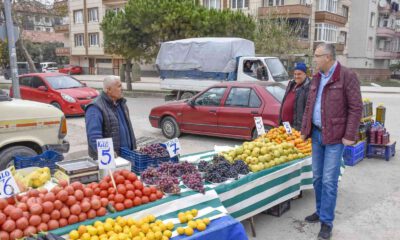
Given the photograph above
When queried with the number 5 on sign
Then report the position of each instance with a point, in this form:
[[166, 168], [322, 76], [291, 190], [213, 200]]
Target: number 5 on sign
[[287, 127], [105, 153], [259, 125], [8, 186], [173, 147]]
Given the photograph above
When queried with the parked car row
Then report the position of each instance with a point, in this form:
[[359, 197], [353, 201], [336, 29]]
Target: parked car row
[[23, 68]]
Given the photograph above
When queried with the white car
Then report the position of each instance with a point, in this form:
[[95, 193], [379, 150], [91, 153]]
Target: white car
[[49, 67]]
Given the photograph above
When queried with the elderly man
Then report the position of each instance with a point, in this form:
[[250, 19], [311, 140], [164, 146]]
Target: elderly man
[[295, 99], [332, 117], [108, 117]]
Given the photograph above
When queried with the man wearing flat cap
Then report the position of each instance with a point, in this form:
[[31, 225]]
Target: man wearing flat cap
[[295, 99]]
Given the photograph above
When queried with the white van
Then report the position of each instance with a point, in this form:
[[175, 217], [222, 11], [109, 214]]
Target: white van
[[49, 67]]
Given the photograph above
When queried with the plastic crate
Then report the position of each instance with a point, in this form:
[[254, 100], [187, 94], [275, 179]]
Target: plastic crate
[[279, 209], [354, 154], [381, 151], [46, 159], [139, 162]]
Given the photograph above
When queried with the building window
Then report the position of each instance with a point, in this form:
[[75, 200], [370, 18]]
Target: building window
[[216, 4], [93, 14], [345, 11], [103, 60], [325, 32], [238, 4], [383, 21], [78, 16], [342, 37], [37, 18], [47, 19], [372, 20], [327, 5], [78, 40], [94, 39], [270, 3]]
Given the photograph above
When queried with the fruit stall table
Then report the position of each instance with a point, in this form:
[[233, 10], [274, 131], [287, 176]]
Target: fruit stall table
[[257, 192], [208, 205]]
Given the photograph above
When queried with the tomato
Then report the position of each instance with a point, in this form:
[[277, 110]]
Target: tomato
[[111, 197], [48, 207], [33, 193], [128, 203], [103, 193], [55, 215], [120, 179], [137, 201], [132, 177], [34, 220], [96, 204], [45, 217], [77, 185], [42, 227], [104, 202], [2, 218], [127, 182], [85, 206], [119, 198], [101, 212], [4, 235], [56, 189], [58, 204], [63, 183], [8, 225], [121, 189], [88, 192], [65, 212], [129, 187], [16, 234], [125, 173], [36, 209], [72, 219], [29, 231], [50, 196], [153, 197], [63, 222], [146, 191], [130, 195], [22, 223], [159, 194], [70, 190], [11, 201], [138, 184], [103, 185], [71, 200], [75, 209], [53, 224], [78, 195], [97, 191], [107, 178], [82, 217], [145, 199], [111, 190], [94, 185], [16, 214], [119, 206], [62, 196], [91, 214], [138, 193]]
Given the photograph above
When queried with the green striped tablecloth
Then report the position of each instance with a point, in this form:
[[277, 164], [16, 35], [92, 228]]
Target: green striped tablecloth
[[166, 209]]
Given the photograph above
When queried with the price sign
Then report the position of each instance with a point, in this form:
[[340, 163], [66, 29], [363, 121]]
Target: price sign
[[8, 186], [259, 125], [173, 147], [287, 127], [105, 153]]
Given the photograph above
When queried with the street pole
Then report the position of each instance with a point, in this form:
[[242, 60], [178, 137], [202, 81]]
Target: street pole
[[11, 49]]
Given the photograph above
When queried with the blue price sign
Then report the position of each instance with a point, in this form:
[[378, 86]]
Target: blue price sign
[[8, 186], [173, 147], [105, 153], [287, 127]]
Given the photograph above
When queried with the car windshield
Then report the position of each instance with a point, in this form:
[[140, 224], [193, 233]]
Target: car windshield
[[53, 65], [278, 91], [277, 69], [63, 82]]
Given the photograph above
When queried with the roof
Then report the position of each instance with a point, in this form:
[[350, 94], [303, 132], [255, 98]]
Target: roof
[[47, 74]]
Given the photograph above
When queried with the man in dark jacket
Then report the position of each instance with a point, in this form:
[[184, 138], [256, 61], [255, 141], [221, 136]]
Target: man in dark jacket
[[108, 117], [332, 117], [295, 99]]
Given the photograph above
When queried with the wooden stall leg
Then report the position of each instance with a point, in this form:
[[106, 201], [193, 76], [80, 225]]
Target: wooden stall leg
[[253, 229]]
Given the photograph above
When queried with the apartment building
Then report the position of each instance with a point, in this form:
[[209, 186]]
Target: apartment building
[[375, 41]]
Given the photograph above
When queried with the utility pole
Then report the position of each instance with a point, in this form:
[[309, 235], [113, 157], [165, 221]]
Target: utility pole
[[11, 49]]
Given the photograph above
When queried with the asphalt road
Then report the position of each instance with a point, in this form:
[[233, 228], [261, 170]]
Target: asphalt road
[[369, 193]]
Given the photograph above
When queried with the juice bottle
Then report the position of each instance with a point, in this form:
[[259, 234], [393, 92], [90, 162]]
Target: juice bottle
[[380, 114]]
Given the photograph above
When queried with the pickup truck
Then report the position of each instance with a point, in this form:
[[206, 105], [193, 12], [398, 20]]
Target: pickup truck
[[189, 66], [28, 128]]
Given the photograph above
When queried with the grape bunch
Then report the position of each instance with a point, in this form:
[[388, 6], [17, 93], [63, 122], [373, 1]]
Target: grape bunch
[[202, 166], [194, 181], [150, 176], [169, 184], [241, 167], [226, 170], [169, 169], [218, 158], [186, 168], [154, 151], [214, 177]]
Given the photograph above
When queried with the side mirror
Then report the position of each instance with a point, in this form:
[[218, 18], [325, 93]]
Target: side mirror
[[42, 88], [191, 103]]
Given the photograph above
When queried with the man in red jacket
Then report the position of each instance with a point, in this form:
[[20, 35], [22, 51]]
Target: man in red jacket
[[331, 118]]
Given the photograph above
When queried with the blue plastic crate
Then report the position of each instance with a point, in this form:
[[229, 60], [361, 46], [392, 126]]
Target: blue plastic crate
[[140, 162], [46, 159], [354, 154], [381, 151]]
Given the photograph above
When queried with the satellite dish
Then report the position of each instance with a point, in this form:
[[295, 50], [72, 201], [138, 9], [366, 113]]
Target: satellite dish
[[382, 3]]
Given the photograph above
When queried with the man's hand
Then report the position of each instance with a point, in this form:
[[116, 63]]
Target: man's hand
[[347, 142], [303, 137]]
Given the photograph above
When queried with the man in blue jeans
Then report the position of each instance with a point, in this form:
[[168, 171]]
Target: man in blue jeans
[[331, 118]]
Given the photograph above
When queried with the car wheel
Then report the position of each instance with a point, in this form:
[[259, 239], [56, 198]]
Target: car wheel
[[55, 104], [254, 134], [7, 155], [170, 128], [187, 95]]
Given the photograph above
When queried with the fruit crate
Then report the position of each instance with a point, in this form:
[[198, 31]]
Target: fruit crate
[[354, 154], [381, 151], [46, 159], [139, 162], [279, 209]]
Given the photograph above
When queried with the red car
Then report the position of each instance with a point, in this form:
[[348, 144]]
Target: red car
[[71, 69], [225, 110], [59, 90]]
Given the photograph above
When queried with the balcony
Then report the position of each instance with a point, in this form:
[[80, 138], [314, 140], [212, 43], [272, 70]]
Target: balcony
[[385, 32], [61, 28], [288, 11], [115, 2], [63, 51], [331, 18], [383, 54]]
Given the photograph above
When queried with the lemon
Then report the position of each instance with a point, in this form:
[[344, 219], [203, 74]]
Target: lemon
[[121, 221], [110, 233], [97, 223], [156, 229], [158, 222], [137, 238], [201, 227], [163, 227], [126, 230], [74, 235], [92, 230], [114, 237], [194, 212], [188, 213], [122, 236], [94, 238], [117, 228], [151, 218], [145, 228], [103, 236], [181, 214], [188, 231], [206, 221], [192, 224], [134, 230], [180, 230], [129, 222], [170, 225], [150, 236], [158, 235], [189, 217], [110, 221], [85, 236], [167, 233], [82, 229], [107, 227], [183, 219], [164, 238]]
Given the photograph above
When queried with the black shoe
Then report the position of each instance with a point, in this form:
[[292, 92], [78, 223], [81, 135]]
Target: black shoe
[[325, 232], [312, 218]]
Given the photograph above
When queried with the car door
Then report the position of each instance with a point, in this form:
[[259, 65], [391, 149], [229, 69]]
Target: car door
[[236, 115], [24, 87], [36, 93], [202, 115]]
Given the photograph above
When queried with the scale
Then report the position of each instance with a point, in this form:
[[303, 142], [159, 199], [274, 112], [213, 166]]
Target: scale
[[83, 170]]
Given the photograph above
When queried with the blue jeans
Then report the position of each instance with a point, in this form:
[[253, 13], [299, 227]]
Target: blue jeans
[[326, 162]]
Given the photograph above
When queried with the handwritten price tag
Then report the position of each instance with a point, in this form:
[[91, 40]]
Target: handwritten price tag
[[173, 147], [8, 185], [259, 125], [105, 153], [287, 127]]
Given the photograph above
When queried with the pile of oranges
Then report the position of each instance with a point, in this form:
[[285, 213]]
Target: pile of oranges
[[279, 135]]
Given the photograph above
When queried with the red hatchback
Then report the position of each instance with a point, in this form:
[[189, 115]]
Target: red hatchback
[[59, 90], [71, 69], [225, 110]]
